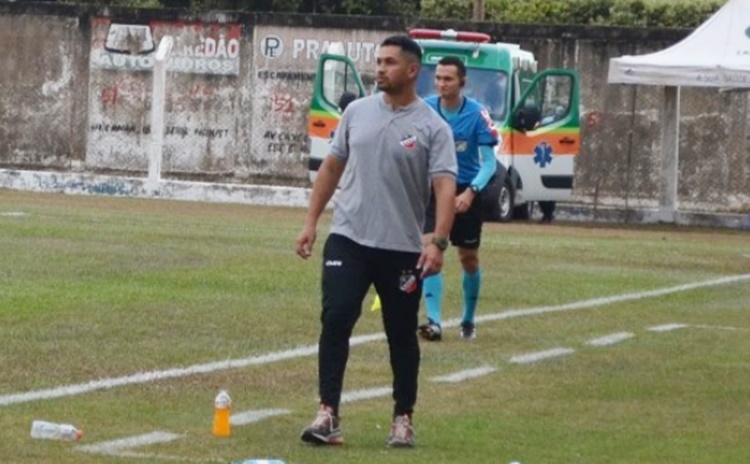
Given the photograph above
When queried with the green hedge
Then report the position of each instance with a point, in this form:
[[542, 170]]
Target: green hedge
[[643, 13]]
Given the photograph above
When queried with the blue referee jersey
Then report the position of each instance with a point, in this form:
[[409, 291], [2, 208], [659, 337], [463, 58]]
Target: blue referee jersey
[[472, 126]]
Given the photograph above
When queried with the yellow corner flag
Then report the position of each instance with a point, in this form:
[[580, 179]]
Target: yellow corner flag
[[376, 303]]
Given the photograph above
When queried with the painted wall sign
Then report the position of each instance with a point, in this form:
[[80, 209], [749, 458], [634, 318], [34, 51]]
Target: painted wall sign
[[284, 67], [206, 126], [198, 49], [271, 46], [201, 102], [309, 49]]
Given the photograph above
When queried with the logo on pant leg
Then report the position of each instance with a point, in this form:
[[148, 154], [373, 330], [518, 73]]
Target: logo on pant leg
[[407, 282]]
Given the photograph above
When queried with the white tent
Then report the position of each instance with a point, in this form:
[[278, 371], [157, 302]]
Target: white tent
[[716, 54]]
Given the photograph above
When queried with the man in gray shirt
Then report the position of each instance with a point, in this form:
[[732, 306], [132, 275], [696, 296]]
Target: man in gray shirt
[[389, 149]]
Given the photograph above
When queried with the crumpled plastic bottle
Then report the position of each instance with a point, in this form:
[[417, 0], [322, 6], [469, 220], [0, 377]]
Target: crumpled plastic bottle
[[51, 431]]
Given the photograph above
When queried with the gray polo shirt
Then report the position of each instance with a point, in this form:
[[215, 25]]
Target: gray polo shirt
[[391, 157]]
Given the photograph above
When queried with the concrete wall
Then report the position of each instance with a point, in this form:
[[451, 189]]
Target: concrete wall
[[207, 107], [283, 70], [43, 88], [240, 83]]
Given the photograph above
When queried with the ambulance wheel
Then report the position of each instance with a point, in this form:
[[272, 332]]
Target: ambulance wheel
[[505, 201]]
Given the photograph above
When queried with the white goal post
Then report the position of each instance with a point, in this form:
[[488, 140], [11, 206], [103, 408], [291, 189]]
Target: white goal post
[[158, 96]]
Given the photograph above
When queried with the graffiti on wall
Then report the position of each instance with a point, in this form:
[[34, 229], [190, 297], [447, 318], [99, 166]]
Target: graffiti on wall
[[169, 131], [285, 143], [192, 97], [266, 75]]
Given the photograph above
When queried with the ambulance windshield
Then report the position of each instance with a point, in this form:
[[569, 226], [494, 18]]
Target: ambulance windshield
[[484, 85]]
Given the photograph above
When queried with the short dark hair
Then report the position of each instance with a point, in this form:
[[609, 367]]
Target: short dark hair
[[454, 61], [406, 43]]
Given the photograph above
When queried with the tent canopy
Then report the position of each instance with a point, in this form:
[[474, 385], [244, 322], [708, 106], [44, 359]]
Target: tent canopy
[[716, 54]]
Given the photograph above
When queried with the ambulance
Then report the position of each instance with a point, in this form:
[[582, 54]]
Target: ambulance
[[535, 112]]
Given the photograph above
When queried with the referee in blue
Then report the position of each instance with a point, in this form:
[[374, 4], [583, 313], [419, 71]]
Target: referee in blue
[[475, 136]]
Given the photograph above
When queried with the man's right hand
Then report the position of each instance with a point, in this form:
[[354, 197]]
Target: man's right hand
[[430, 261], [304, 243]]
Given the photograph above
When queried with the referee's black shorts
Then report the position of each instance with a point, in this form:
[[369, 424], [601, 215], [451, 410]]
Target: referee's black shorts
[[467, 227]]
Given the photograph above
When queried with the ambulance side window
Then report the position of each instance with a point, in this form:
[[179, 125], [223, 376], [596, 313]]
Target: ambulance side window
[[340, 79], [523, 80], [527, 116], [556, 94]]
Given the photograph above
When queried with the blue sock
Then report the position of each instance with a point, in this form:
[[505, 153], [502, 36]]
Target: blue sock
[[433, 296], [471, 283]]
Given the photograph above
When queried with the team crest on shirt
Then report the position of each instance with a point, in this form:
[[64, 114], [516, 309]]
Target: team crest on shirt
[[407, 283], [409, 142], [461, 146], [489, 122]]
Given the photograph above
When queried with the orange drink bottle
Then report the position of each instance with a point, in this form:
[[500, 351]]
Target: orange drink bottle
[[222, 406]]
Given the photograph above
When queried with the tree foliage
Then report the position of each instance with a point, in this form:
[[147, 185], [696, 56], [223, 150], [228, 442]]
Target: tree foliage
[[348, 7], [642, 13]]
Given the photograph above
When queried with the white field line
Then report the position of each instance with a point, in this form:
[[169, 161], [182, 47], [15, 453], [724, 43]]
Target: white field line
[[116, 446], [13, 214], [152, 376], [122, 447], [366, 394], [717, 327], [610, 339], [162, 457], [540, 355], [666, 327], [464, 375], [249, 417], [603, 301]]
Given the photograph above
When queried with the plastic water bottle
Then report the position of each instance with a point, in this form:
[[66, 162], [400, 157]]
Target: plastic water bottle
[[222, 406], [50, 431]]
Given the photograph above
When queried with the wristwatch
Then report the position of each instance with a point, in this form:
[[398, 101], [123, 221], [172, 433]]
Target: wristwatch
[[440, 242]]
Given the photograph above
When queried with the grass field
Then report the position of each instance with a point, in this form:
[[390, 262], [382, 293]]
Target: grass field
[[162, 303]]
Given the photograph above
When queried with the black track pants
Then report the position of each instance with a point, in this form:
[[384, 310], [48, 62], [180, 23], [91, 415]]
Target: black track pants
[[348, 271]]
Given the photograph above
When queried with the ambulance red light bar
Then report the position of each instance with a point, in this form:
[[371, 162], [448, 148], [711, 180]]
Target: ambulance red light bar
[[449, 34]]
